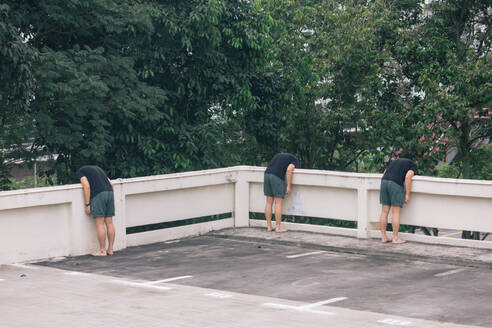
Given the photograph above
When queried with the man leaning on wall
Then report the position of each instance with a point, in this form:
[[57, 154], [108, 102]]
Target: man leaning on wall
[[99, 201], [395, 191], [277, 183]]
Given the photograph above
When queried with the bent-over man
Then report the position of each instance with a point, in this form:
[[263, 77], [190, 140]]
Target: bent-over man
[[395, 191], [99, 201], [277, 184]]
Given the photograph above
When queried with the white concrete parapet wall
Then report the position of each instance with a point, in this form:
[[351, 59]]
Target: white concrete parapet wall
[[174, 197], [50, 222], [435, 202]]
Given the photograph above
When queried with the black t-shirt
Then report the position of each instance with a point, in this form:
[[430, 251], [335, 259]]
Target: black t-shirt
[[279, 163], [397, 170], [97, 179]]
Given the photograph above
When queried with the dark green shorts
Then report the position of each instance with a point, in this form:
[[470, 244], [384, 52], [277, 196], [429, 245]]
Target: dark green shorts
[[103, 205], [391, 193], [273, 186]]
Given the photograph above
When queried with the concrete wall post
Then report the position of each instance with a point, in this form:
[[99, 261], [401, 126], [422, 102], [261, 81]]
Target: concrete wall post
[[119, 219], [241, 202], [362, 212]]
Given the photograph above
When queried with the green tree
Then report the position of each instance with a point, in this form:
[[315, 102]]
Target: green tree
[[17, 59], [480, 168], [139, 87], [146, 87], [452, 58], [345, 95], [452, 55], [204, 56], [86, 78]]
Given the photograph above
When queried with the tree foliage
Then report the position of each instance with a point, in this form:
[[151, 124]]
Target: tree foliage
[[129, 85], [17, 59], [341, 96], [148, 87], [453, 60]]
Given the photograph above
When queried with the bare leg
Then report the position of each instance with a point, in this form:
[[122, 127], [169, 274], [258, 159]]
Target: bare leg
[[395, 220], [111, 234], [383, 222], [101, 237], [268, 212], [278, 214]]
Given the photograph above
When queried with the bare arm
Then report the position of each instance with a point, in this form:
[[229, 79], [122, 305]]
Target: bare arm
[[111, 184], [87, 194], [408, 185], [288, 177]]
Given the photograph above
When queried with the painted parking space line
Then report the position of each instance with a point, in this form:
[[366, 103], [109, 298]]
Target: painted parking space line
[[395, 322], [167, 280], [295, 308], [139, 284], [172, 241], [450, 272], [149, 284], [306, 307], [23, 266], [304, 254], [332, 300], [218, 295]]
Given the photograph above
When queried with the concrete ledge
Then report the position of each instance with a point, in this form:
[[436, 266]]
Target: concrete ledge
[[309, 228], [439, 240], [463, 256]]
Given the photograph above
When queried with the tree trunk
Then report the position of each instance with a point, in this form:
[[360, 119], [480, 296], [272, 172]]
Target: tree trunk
[[465, 149], [466, 169]]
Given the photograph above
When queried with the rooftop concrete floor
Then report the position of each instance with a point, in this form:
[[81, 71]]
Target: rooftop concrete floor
[[248, 277]]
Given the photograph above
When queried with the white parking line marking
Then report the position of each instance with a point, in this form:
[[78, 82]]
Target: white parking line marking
[[23, 266], [395, 322], [447, 273], [307, 307], [150, 284], [139, 284], [296, 308], [304, 254], [281, 306], [172, 241], [167, 280], [218, 295], [332, 300]]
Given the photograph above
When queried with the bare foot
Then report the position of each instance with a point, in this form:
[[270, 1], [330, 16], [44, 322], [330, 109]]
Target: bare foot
[[384, 240], [99, 253], [280, 229], [269, 229], [398, 241]]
